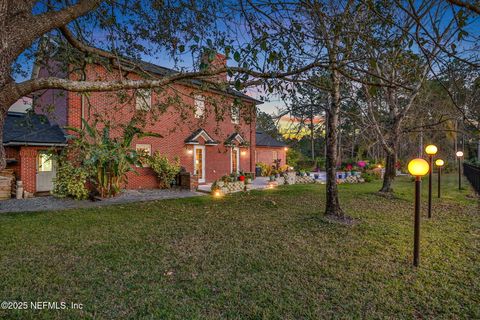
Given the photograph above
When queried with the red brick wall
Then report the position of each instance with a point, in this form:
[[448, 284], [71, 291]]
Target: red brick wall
[[173, 118], [265, 155], [28, 167]]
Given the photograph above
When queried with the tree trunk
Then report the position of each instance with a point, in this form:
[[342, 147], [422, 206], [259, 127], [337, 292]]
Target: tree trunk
[[312, 141], [333, 205], [420, 145], [6, 100], [390, 172], [339, 151], [478, 151], [3, 162]]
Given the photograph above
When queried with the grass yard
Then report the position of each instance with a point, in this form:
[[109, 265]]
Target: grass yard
[[263, 255]]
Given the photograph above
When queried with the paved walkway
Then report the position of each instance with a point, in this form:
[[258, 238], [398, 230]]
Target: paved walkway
[[52, 203]]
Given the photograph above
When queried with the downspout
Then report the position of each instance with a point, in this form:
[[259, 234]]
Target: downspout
[[82, 107]]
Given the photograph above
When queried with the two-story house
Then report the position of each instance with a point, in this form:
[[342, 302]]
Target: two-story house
[[211, 131]]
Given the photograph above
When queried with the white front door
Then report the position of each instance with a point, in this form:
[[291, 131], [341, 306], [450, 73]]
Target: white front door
[[235, 160], [199, 162], [45, 172]]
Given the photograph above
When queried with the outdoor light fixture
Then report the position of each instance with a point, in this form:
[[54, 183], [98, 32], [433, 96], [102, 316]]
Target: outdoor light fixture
[[418, 168], [430, 150], [439, 163], [286, 149], [243, 153], [217, 194], [459, 156], [189, 151]]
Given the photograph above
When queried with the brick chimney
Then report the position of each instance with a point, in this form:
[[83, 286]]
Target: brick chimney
[[211, 60]]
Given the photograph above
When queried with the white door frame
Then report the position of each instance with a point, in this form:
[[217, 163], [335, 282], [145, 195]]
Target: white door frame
[[238, 159], [195, 148], [44, 179]]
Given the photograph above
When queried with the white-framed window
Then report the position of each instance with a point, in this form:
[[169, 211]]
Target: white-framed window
[[143, 99], [146, 149], [199, 105], [235, 114], [45, 162]]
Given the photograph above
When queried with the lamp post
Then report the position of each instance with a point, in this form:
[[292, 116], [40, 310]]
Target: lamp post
[[439, 163], [430, 150], [418, 168], [459, 156]]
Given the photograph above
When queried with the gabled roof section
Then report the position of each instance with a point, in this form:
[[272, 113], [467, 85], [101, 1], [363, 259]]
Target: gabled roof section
[[193, 138], [31, 129], [265, 140], [235, 137]]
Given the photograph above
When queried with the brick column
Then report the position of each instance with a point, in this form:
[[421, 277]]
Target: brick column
[[28, 168]]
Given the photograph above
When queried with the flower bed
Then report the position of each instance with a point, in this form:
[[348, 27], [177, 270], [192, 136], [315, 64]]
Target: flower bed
[[228, 187]]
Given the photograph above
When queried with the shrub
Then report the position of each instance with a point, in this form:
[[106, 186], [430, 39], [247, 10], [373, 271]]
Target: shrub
[[70, 180], [368, 177], [266, 170], [376, 173], [165, 169], [226, 179], [108, 158], [293, 156]]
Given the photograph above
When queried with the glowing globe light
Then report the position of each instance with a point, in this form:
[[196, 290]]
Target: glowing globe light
[[418, 167], [431, 150], [439, 163], [459, 154]]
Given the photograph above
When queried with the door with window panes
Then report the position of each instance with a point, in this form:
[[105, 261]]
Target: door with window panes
[[235, 160], [45, 171]]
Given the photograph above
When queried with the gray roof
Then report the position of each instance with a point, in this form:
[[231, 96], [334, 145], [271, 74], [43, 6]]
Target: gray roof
[[265, 140], [31, 129]]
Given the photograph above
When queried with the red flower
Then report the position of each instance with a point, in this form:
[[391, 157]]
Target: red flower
[[241, 178]]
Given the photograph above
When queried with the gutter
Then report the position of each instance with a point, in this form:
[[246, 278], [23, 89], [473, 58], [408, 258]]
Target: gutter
[[41, 144]]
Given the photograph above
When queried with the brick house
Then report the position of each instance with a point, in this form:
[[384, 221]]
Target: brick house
[[269, 149], [27, 140], [211, 131]]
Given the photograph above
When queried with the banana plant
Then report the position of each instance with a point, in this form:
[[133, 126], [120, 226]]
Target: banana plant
[[109, 158]]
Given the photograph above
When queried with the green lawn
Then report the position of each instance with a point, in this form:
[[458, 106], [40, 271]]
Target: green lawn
[[261, 255]]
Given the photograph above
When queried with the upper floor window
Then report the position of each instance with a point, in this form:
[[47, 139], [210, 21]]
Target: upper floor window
[[235, 113], [199, 106], [143, 99]]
